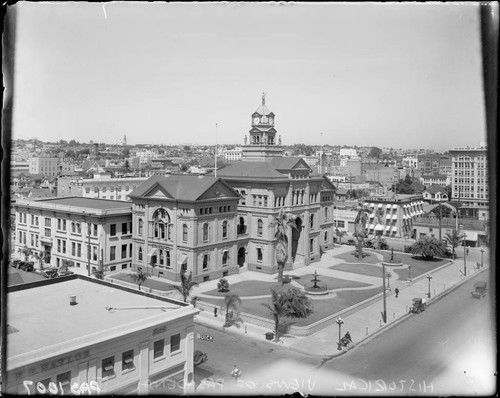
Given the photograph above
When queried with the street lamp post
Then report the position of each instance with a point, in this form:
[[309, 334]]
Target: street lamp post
[[409, 271], [339, 322], [465, 255], [429, 277], [384, 313], [482, 251]]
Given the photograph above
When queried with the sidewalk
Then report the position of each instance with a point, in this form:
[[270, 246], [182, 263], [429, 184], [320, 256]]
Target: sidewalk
[[363, 321]]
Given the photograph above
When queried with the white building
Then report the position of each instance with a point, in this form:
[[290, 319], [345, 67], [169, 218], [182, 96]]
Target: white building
[[99, 188], [470, 180], [59, 229], [232, 154], [349, 153], [113, 340]]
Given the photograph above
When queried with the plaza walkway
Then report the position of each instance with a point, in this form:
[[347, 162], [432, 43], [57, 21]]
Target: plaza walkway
[[363, 321]]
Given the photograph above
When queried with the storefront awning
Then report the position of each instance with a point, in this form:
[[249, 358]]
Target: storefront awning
[[379, 205], [183, 259], [388, 217], [379, 227], [394, 206], [395, 217], [394, 229], [372, 226], [151, 253]]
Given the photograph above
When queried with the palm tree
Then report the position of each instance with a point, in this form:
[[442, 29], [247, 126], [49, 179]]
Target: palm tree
[[39, 256], [428, 248], [282, 221], [99, 274], [186, 285], [291, 303], [139, 277], [231, 302], [26, 252], [454, 238], [340, 234]]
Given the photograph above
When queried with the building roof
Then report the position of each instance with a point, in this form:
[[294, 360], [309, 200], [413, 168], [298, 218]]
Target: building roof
[[249, 169], [184, 187], [76, 326], [442, 176], [262, 110], [341, 191], [435, 189], [77, 201], [289, 163]]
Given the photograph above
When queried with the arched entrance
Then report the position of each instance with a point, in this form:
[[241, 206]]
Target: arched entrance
[[241, 257], [296, 237]]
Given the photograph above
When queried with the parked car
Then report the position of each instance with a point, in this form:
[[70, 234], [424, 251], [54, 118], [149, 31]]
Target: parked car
[[479, 290], [15, 263], [418, 305], [199, 358], [27, 266]]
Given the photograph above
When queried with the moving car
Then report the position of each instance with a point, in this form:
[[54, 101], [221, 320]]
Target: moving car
[[418, 305], [199, 358], [479, 290]]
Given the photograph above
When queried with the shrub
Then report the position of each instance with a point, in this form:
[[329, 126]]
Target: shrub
[[223, 285], [351, 242], [407, 249]]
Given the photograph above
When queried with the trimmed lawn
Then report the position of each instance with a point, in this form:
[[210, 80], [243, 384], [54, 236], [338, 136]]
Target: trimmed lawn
[[351, 257], [362, 269], [247, 289], [148, 283], [418, 266], [322, 307], [331, 283]]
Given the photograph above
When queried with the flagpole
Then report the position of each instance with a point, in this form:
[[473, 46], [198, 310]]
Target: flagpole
[[215, 152]]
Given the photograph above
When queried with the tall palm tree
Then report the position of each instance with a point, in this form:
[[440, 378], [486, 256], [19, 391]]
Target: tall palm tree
[[25, 251], [454, 238], [291, 303], [282, 221], [39, 256], [186, 285], [231, 302]]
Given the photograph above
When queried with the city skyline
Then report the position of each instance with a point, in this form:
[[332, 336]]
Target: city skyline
[[386, 75]]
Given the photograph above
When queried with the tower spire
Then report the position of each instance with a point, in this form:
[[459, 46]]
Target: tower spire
[[263, 98]]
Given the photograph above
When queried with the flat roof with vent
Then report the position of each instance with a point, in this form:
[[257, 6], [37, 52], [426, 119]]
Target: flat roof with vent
[[48, 326]]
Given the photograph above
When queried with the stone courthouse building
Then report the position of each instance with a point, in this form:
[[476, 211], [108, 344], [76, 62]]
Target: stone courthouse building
[[222, 224]]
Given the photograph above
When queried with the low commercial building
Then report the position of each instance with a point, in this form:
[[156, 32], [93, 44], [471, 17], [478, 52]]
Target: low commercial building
[[59, 229], [100, 188], [81, 336]]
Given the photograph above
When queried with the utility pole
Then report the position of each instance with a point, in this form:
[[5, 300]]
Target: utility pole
[[384, 313]]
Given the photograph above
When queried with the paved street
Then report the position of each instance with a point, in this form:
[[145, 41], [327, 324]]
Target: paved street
[[228, 349], [446, 349]]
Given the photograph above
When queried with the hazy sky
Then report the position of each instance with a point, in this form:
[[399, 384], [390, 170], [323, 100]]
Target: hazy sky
[[381, 74]]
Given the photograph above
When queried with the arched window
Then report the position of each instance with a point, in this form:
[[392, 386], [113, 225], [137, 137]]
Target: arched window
[[224, 229], [205, 232], [141, 224], [140, 254], [259, 227], [241, 226], [184, 233], [326, 213], [161, 224]]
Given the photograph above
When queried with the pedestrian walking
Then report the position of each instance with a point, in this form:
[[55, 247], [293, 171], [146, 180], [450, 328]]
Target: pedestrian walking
[[467, 251], [396, 291], [215, 312]]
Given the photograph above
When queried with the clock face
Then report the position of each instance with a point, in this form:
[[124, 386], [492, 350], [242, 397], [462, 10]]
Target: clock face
[[271, 120], [255, 120]]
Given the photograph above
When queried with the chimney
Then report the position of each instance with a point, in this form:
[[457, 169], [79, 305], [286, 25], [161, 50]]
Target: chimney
[[72, 300]]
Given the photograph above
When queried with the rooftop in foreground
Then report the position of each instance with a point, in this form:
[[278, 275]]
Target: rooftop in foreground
[[52, 325]]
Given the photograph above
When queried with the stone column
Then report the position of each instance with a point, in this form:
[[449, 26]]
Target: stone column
[[143, 387], [189, 384]]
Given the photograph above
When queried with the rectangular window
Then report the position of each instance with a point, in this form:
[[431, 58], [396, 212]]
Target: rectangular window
[[124, 228], [79, 250], [225, 256], [311, 245], [112, 253], [167, 252], [47, 222], [130, 250], [128, 360], [175, 342], [158, 348], [108, 367], [73, 248], [59, 245], [64, 380], [205, 261], [113, 230], [94, 231], [259, 254], [47, 232], [124, 251], [59, 224]]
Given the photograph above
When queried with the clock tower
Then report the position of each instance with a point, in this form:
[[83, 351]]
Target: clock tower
[[262, 144]]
